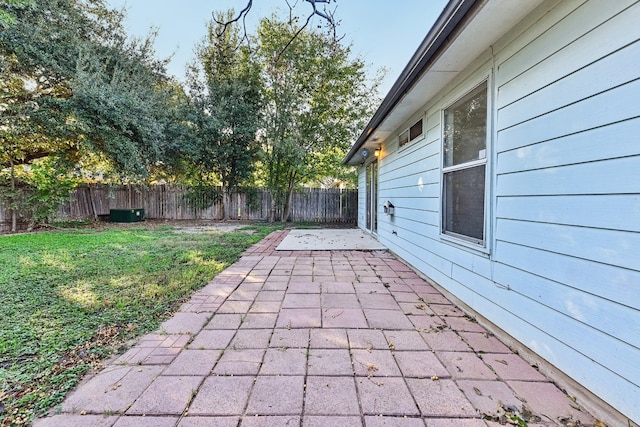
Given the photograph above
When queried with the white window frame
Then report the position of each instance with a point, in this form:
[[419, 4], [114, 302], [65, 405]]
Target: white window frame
[[407, 131], [449, 236]]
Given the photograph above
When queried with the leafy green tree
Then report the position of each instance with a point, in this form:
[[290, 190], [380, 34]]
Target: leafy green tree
[[29, 128], [226, 95], [6, 18], [120, 100], [42, 191], [317, 100], [76, 84], [75, 88]]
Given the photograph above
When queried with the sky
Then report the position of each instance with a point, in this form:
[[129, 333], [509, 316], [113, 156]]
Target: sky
[[384, 33]]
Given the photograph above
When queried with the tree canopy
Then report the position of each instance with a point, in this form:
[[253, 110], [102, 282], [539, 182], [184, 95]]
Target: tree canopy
[[293, 99], [73, 83], [317, 99], [75, 92], [225, 93], [280, 111], [6, 17]]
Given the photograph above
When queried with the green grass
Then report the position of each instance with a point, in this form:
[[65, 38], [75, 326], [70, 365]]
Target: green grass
[[71, 298]]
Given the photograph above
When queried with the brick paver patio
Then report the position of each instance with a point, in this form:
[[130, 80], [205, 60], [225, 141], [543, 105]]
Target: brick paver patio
[[315, 338]]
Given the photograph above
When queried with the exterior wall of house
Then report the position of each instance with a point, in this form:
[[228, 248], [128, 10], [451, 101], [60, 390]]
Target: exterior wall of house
[[561, 269]]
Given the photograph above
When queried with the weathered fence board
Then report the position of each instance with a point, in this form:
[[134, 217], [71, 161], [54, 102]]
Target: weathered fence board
[[171, 203]]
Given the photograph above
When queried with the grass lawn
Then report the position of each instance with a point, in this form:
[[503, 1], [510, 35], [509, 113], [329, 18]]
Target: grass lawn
[[71, 298]]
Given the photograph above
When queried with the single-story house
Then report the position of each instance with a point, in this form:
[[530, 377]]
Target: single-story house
[[504, 165]]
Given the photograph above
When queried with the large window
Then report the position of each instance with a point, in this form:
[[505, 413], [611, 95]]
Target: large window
[[464, 166]]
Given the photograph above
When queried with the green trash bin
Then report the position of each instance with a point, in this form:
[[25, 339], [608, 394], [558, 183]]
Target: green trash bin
[[126, 215]]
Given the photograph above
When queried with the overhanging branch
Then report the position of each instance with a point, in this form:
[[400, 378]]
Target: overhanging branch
[[242, 15], [324, 13]]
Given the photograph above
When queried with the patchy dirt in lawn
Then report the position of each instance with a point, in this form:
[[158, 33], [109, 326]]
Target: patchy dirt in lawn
[[184, 226], [209, 228]]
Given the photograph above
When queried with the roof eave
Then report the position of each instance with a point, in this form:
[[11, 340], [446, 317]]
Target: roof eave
[[452, 15]]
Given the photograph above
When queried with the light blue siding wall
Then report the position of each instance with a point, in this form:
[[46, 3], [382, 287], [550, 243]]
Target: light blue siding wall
[[563, 272], [568, 192]]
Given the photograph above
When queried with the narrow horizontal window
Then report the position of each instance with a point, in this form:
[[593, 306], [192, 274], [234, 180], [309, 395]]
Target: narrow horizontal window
[[411, 134]]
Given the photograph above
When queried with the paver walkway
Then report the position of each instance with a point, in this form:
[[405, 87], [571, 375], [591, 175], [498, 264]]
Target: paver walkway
[[315, 339]]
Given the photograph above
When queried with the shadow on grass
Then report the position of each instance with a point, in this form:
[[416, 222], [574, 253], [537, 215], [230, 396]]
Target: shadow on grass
[[68, 299]]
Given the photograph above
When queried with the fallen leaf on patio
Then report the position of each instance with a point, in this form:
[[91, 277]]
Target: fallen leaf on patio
[[512, 415], [470, 319], [438, 328], [569, 422], [435, 378], [504, 362]]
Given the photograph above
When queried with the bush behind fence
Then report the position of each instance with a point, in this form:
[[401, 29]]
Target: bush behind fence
[[170, 202]]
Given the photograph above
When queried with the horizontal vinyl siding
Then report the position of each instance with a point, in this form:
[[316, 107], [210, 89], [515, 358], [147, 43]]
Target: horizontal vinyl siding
[[613, 141], [603, 211], [563, 272], [410, 179], [589, 32], [567, 203]]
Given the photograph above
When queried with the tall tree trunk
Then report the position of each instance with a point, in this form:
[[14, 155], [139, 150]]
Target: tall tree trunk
[[14, 217], [286, 210], [272, 213], [226, 201]]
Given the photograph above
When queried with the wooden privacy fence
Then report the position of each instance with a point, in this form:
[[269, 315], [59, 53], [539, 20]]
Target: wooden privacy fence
[[173, 203]]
